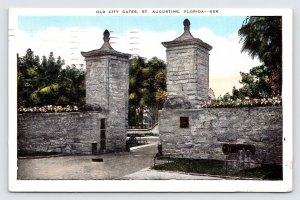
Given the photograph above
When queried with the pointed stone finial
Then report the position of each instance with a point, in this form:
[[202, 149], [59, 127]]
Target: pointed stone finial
[[106, 35], [186, 24]]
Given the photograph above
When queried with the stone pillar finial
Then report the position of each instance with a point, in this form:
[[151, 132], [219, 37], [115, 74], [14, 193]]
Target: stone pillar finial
[[192, 59], [106, 35], [186, 24]]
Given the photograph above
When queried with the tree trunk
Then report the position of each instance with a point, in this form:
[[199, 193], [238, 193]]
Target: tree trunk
[[276, 81]]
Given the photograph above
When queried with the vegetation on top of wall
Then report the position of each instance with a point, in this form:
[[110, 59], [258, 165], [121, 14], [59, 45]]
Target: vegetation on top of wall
[[45, 86], [245, 102], [44, 81], [48, 109]]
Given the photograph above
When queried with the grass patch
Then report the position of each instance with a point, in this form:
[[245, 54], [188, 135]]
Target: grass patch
[[266, 172], [217, 167]]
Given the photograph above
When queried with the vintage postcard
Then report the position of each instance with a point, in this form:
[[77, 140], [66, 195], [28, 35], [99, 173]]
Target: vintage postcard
[[150, 100]]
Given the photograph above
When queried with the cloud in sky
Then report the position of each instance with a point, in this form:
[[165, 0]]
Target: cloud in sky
[[226, 60]]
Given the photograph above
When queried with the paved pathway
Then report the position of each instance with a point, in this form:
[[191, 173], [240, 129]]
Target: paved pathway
[[115, 165], [149, 174], [155, 130], [126, 165]]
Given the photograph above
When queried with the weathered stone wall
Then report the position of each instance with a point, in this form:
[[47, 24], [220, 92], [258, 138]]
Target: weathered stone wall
[[107, 84], [67, 133], [202, 64], [96, 83], [210, 128], [185, 76], [117, 121]]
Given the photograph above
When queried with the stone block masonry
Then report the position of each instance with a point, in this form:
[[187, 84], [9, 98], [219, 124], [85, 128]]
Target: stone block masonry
[[107, 83], [66, 133], [106, 79], [190, 131], [188, 67], [210, 128]]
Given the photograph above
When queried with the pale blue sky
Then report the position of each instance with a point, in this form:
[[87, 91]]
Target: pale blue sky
[[222, 26], [44, 34]]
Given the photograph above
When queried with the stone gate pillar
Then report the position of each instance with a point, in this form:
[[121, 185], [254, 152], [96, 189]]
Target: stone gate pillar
[[107, 84], [188, 67]]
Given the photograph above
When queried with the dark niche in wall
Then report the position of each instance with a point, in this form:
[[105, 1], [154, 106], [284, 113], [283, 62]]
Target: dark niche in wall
[[184, 122]]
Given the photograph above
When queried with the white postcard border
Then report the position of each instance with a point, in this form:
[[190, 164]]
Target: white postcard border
[[153, 185]]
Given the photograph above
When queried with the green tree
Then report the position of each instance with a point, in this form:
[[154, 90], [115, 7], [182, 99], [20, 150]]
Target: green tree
[[261, 37], [255, 84], [160, 86], [136, 91], [156, 87], [147, 88], [47, 83], [27, 77], [72, 86], [156, 79]]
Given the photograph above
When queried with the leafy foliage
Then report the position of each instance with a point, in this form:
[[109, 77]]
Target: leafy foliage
[[256, 84], [227, 102], [261, 37], [147, 88], [47, 83], [49, 108]]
